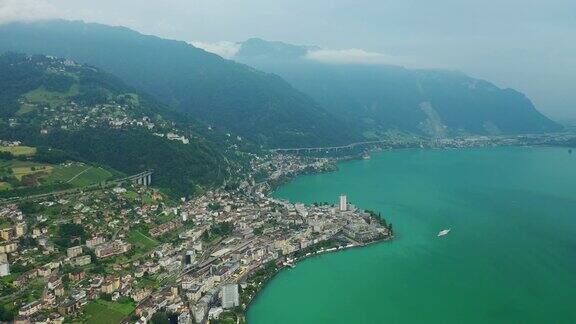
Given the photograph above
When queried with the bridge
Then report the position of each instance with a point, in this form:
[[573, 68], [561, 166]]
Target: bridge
[[335, 148], [142, 178]]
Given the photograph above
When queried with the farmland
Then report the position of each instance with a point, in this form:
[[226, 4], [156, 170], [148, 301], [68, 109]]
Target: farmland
[[16, 174], [18, 150]]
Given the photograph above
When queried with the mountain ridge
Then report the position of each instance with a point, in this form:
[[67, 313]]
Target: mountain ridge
[[256, 105], [379, 98]]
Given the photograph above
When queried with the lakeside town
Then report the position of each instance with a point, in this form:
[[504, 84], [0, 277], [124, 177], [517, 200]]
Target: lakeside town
[[130, 253]]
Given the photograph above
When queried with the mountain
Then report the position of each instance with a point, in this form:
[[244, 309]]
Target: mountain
[[259, 106], [379, 99], [95, 117]]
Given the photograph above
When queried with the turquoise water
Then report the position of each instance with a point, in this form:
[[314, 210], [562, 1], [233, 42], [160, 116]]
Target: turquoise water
[[510, 258]]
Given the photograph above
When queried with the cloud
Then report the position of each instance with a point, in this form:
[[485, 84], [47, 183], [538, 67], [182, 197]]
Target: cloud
[[329, 56], [222, 48], [26, 10], [353, 56]]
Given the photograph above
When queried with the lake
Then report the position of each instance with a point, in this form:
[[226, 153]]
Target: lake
[[510, 256]]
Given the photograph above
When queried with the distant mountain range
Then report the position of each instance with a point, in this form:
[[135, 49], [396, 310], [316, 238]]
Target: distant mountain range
[[318, 104], [378, 99], [257, 106]]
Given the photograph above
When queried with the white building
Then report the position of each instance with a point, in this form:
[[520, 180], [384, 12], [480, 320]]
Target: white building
[[4, 269], [230, 296], [343, 203]]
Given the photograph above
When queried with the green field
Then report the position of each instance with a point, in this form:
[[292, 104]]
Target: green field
[[22, 168], [101, 311], [141, 241], [25, 108], [79, 175], [54, 99], [30, 168], [18, 150]]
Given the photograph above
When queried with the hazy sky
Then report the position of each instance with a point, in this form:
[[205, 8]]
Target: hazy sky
[[524, 44]]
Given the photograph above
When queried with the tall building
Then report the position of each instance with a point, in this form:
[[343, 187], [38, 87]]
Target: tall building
[[189, 257], [343, 203]]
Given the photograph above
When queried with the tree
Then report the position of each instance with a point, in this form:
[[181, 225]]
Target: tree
[[69, 233], [6, 315]]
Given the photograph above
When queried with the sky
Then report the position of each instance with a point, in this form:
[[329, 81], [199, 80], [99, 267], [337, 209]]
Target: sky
[[528, 45]]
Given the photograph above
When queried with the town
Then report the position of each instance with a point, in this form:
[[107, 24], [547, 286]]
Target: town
[[130, 253]]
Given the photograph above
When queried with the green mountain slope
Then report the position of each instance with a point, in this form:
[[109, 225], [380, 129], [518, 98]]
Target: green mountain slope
[[381, 98], [259, 106], [95, 117]]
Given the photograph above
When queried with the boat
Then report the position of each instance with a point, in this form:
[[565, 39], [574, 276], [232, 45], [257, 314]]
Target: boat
[[443, 232]]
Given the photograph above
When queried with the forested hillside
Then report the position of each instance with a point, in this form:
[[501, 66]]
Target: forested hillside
[[257, 106], [95, 117]]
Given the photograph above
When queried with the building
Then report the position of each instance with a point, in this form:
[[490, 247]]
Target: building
[[343, 203], [8, 247], [20, 229], [189, 257], [53, 282], [30, 309], [6, 234], [93, 242], [114, 248], [74, 251], [81, 260], [214, 312], [4, 269], [110, 285], [76, 275], [184, 318], [140, 294], [69, 306], [230, 296]]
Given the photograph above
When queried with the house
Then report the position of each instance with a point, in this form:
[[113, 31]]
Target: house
[[20, 229], [59, 290], [69, 306], [53, 282], [76, 275], [110, 285], [6, 234], [31, 308]]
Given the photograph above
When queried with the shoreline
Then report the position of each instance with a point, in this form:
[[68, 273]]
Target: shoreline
[[292, 262], [263, 284]]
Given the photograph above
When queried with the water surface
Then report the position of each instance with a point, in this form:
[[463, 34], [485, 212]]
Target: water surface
[[510, 258]]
